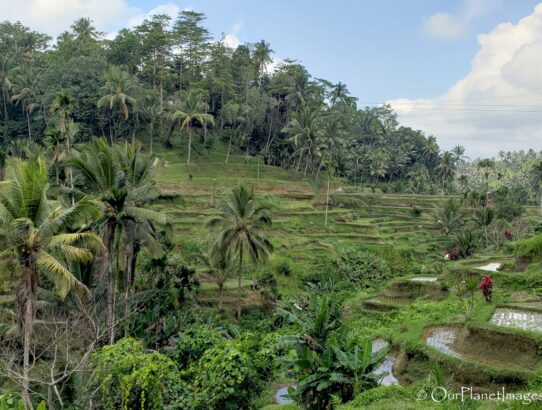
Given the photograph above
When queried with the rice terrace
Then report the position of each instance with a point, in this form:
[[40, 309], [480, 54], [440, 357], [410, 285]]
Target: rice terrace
[[270, 205]]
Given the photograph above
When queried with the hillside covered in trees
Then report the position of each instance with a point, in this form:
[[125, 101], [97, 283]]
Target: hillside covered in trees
[[184, 225]]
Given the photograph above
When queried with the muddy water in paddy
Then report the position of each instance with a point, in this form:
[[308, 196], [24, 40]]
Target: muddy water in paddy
[[386, 366], [518, 318], [424, 279], [485, 346]]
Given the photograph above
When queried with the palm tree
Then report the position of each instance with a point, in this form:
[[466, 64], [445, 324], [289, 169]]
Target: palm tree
[[84, 30], [536, 171], [449, 217], [220, 264], [232, 114], [446, 168], [6, 64], [243, 223], [262, 57], [24, 93], [191, 110], [304, 130], [123, 181], [459, 154], [339, 94], [63, 106], [35, 241], [117, 92], [151, 109]]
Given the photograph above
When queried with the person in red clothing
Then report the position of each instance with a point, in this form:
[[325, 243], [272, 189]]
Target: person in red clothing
[[487, 287]]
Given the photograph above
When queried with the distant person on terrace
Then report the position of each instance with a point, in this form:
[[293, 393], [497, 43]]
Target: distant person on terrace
[[487, 287]]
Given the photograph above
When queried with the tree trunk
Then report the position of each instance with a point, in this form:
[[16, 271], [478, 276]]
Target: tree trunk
[[239, 275], [189, 129], [327, 200], [151, 136], [28, 124], [26, 304], [5, 101], [111, 289], [220, 291], [128, 275], [320, 167], [229, 149]]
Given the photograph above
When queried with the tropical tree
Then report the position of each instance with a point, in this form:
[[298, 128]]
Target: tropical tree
[[122, 181], [38, 238], [24, 92], [151, 108], [232, 114], [262, 57], [446, 168], [242, 225], [304, 130], [220, 264], [117, 93], [64, 106], [6, 64], [191, 110], [449, 217], [536, 172]]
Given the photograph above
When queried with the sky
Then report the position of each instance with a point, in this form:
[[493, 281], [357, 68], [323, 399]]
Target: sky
[[466, 71]]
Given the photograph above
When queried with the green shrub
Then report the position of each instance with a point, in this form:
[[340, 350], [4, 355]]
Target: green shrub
[[130, 378], [529, 247], [229, 376], [283, 266], [361, 267], [193, 342], [380, 393]]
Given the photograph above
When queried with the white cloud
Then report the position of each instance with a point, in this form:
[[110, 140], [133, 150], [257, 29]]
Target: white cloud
[[231, 39], [55, 16], [450, 26], [170, 9], [497, 105]]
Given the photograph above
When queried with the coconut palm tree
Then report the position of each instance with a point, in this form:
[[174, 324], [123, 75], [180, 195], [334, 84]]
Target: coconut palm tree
[[35, 240], [536, 171], [6, 64], [220, 264], [191, 110], [339, 94], [232, 114], [262, 57], [304, 130], [117, 93], [450, 217], [242, 225], [446, 168], [24, 92], [63, 106], [122, 180], [151, 109]]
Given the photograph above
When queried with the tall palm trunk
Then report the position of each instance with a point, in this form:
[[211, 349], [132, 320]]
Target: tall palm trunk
[[111, 288], [220, 292], [239, 275], [229, 149], [189, 129], [26, 301], [5, 101], [28, 125], [151, 136], [320, 167], [128, 265]]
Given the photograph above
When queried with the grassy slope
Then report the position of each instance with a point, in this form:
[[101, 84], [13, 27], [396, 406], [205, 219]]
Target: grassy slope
[[299, 233]]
